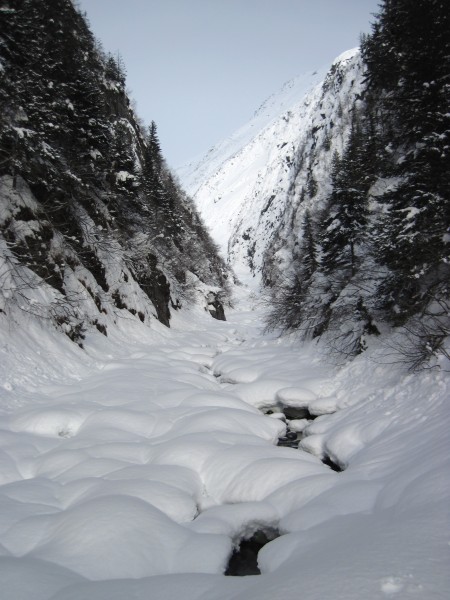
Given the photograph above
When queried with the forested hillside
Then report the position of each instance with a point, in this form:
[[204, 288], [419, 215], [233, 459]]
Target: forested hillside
[[376, 252], [93, 223], [340, 206]]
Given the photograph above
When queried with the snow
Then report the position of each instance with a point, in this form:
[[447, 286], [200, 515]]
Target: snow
[[130, 536], [250, 188], [297, 397], [132, 468], [195, 173]]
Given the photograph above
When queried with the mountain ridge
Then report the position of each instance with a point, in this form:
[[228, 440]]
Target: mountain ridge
[[236, 200], [197, 170]]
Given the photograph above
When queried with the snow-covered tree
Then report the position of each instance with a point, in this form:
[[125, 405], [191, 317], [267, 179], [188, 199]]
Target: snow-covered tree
[[408, 59]]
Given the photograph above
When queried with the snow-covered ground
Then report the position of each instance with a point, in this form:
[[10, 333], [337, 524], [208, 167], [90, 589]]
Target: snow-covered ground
[[131, 468]]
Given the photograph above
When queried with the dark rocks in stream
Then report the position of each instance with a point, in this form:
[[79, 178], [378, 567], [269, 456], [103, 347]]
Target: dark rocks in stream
[[215, 307], [292, 412], [244, 560], [290, 440]]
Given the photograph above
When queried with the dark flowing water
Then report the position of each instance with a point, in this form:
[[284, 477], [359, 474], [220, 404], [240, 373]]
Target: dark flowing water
[[244, 560]]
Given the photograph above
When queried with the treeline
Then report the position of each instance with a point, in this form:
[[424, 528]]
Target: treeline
[[377, 254], [104, 200]]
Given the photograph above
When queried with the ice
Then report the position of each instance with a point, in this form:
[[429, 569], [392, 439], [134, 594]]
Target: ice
[[260, 393], [288, 498], [342, 498], [298, 425], [249, 473], [391, 585], [136, 422], [187, 586], [218, 398], [54, 422], [241, 375], [179, 506], [178, 477], [8, 469]]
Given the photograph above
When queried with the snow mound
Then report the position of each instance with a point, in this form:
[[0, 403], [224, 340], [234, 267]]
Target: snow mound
[[295, 397], [162, 469], [116, 537]]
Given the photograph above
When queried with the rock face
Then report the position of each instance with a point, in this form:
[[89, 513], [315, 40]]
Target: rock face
[[253, 189], [215, 307]]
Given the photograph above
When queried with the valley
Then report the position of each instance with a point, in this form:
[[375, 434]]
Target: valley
[[229, 382]]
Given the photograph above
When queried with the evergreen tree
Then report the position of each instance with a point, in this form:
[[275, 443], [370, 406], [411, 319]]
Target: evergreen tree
[[154, 148], [290, 301], [151, 180], [172, 208], [408, 60], [345, 227], [159, 188], [308, 249]]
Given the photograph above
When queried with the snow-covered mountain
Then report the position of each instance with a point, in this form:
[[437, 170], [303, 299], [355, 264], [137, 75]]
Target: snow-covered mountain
[[197, 171], [253, 188]]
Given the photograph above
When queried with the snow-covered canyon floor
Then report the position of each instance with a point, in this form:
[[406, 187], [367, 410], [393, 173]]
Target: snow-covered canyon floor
[[130, 469]]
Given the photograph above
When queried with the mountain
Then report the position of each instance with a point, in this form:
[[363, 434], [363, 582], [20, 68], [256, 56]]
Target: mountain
[[196, 172], [94, 226], [248, 185]]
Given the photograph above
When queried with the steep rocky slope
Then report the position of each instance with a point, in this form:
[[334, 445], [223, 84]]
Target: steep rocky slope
[[93, 224], [256, 185]]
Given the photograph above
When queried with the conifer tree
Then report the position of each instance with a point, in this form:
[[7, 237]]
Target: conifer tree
[[290, 300], [151, 183], [408, 59], [344, 228], [159, 187], [154, 147]]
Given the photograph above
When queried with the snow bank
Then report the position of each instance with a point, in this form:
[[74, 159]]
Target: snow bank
[[129, 472]]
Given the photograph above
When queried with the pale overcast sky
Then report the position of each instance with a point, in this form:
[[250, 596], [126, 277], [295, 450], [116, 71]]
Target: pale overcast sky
[[200, 68]]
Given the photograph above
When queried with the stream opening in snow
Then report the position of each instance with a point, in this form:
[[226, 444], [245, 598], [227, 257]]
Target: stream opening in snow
[[333, 465], [244, 560], [292, 437]]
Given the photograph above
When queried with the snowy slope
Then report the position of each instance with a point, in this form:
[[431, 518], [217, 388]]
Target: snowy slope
[[196, 172], [252, 185], [130, 469]]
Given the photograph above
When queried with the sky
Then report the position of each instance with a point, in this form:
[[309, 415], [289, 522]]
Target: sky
[[201, 68]]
